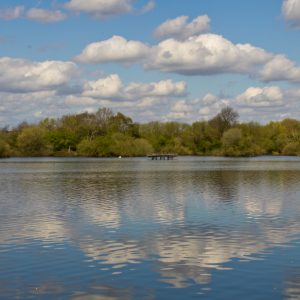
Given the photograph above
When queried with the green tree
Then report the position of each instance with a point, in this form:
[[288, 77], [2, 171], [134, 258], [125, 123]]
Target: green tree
[[103, 117], [224, 120], [206, 137], [125, 145], [232, 137], [292, 149], [4, 149], [88, 147], [274, 138], [291, 130], [32, 141], [231, 141], [121, 123], [63, 140]]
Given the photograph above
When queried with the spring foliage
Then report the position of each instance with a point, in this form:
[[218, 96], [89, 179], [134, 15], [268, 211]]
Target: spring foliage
[[105, 134]]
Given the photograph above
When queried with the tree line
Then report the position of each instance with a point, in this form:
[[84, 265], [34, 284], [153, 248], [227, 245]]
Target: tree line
[[108, 134]]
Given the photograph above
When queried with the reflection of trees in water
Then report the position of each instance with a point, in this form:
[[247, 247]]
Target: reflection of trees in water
[[215, 185], [157, 197], [31, 209], [269, 193], [107, 200], [98, 197], [230, 185]]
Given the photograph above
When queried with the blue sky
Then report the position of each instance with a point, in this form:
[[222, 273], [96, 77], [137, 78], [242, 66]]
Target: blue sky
[[152, 60]]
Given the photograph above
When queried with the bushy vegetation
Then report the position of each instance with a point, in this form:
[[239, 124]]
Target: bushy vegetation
[[105, 134]]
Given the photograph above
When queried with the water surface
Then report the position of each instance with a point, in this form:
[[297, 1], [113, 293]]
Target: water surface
[[209, 228]]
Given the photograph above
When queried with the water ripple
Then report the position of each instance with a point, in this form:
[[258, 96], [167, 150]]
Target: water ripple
[[111, 229]]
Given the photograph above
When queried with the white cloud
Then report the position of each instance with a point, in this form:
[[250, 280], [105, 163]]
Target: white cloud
[[106, 88], [79, 100], [210, 99], [133, 99], [204, 111], [157, 89], [100, 8], [11, 13], [202, 108], [143, 104], [291, 12], [181, 110], [112, 88], [45, 16], [265, 104], [19, 75], [280, 68], [23, 106], [178, 28], [150, 102], [177, 116], [261, 97], [262, 104], [206, 54], [115, 49], [34, 90], [148, 7]]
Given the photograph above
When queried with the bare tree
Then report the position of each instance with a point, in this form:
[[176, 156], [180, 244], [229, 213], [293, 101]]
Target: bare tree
[[225, 119]]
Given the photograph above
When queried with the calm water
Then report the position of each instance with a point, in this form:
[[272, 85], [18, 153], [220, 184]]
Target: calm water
[[190, 228]]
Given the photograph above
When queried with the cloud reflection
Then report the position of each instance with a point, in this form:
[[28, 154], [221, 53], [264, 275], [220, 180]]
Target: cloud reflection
[[185, 223]]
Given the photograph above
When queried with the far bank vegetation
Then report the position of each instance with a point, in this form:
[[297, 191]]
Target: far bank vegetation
[[107, 134]]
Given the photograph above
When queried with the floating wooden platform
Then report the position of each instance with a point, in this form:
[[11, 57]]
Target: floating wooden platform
[[168, 156]]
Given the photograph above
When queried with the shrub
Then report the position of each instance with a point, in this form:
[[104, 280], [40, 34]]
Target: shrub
[[4, 149], [292, 149]]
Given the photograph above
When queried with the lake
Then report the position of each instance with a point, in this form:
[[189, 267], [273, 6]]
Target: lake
[[194, 227]]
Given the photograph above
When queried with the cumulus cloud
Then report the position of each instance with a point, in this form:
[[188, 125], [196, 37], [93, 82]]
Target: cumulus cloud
[[209, 99], [142, 101], [205, 112], [19, 75], [262, 104], [23, 106], [162, 88], [291, 12], [34, 90], [206, 54], [202, 108], [106, 88], [261, 97], [100, 8], [145, 103], [45, 16], [280, 68], [252, 104], [148, 7], [179, 28], [11, 13], [115, 49], [112, 88], [180, 110]]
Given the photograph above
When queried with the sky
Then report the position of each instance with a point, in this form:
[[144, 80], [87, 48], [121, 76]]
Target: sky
[[149, 59]]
